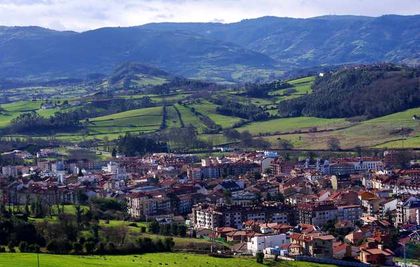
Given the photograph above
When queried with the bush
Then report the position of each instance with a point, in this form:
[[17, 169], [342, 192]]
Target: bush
[[110, 248], [59, 246], [34, 248]]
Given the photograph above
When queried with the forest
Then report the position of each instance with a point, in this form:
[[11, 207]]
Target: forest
[[368, 91]]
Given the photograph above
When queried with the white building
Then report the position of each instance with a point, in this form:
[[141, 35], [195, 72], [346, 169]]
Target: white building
[[259, 243], [9, 171]]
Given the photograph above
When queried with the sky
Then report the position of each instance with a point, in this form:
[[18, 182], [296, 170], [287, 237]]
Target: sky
[[82, 15]]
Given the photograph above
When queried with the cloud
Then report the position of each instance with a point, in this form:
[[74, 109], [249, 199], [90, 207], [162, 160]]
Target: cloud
[[81, 15]]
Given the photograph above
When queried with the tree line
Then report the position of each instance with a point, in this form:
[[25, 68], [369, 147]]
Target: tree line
[[248, 111]]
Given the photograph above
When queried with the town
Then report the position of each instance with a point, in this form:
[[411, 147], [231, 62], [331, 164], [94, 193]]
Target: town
[[347, 211]]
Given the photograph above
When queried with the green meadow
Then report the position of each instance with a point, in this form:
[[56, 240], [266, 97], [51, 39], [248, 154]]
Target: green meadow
[[152, 260]]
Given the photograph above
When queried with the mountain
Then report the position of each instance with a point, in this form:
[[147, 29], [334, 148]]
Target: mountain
[[316, 41], [369, 91], [31, 52], [264, 47]]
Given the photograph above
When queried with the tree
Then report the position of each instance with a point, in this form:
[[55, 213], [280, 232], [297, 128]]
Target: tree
[[154, 227], [285, 144], [23, 246], [232, 134], [59, 246], [77, 248], [358, 150], [89, 247], [260, 257], [168, 244], [182, 230], [333, 144]]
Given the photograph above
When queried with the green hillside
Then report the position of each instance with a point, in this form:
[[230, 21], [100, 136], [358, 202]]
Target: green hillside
[[186, 107], [380, 132]]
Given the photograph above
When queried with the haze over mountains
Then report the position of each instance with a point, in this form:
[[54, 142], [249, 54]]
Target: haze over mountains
[[241, 51]]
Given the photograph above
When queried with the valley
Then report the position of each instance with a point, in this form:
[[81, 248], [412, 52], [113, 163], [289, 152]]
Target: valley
[[133, 107]]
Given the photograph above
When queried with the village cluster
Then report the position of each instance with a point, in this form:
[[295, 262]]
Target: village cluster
[[359, 209]]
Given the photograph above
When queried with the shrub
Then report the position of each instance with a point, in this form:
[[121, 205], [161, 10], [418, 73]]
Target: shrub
[[34, 248], [23, 246], [77, 247], [59, 246]]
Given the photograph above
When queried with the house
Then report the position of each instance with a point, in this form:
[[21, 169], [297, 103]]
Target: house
[[313, 244], [341, 250], [322, 246], [260, 243], [376, 254], [355, 237]]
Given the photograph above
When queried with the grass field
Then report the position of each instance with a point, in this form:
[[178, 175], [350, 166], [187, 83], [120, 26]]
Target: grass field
[[209, 109], [292, 124], [189, 118], [301, 86], [156, 259], [12, 110], [172, 120], [145, 120], [371, 133]]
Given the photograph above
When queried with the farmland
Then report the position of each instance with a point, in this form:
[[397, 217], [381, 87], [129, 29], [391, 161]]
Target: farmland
[[182, 111], [141, 120]]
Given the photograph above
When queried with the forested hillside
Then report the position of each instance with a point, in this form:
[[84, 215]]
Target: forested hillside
[[369, 91]]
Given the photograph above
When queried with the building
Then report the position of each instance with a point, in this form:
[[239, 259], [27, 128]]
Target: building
[[260, 243], [210, 216], [341, 169], [350, 213], [313, 244], [281, 166], [207, 217], [142, 206], [340, 181], [9, 171], [318, 213], [376, 255], [408, 211]]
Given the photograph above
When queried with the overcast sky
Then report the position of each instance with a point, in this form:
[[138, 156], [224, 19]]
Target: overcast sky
[[80, 15]]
